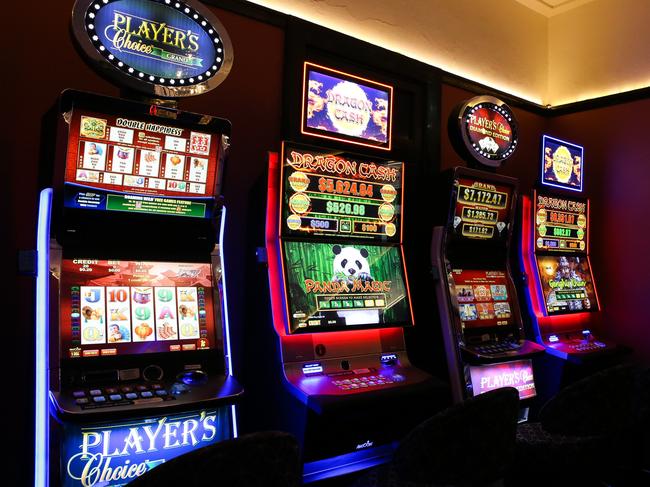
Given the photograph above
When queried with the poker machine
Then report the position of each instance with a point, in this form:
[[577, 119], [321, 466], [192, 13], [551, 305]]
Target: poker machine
[[481, 322], [559, 285], [339, 283], [133, 361]]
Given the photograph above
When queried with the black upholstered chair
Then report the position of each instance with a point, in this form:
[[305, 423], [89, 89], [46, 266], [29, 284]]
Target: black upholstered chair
[[267, 459], [589, 430], [469, 444]]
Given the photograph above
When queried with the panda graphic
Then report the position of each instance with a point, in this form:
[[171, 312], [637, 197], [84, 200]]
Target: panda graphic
[[349, 265]]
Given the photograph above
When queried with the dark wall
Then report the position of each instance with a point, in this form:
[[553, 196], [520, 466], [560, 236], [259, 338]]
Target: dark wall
[[617, 175], [251, 97]]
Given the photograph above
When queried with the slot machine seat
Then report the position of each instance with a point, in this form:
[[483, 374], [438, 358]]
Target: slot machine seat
[[265, 459], [471, 443], [590, 429]]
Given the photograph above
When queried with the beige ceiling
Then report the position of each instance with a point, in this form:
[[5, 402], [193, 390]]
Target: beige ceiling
[[547, 51], [549, 8]]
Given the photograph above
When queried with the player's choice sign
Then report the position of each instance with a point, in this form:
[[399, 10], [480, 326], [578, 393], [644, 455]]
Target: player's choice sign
[[487, 129], [113, 454], [163, 47]]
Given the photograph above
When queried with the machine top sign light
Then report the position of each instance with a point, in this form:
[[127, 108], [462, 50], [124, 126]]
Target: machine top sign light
[[488, 130], [168, 48]]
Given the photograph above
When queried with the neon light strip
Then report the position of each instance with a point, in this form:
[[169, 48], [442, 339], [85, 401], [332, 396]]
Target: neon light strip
[[225, 312], [42, 419]]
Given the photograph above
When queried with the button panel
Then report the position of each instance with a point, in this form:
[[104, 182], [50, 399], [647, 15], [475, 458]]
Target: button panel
[[496, 348], [589, 346], [363, 382], [124, 395]]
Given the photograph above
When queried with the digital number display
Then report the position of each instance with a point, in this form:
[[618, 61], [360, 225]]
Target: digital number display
[[482, 210], [561, 224], [329, 193]]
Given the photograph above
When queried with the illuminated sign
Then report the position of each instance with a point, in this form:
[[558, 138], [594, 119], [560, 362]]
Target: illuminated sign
[[165, 47], [517, 374], [562, 164], [112, 454], [482, 210], [488, 131], [344, 107], [334, 194], [561, 224]]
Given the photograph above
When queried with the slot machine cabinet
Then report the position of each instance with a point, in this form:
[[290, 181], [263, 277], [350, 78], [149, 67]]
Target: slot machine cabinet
[[559, 288], [481, 322], [340, 297], [482, 327], [130, 290]]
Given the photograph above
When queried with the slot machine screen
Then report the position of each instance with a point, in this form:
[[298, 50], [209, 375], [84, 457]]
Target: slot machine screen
[[338, 286], [567, 284], [483, 297], [481, 210], [561, 224], [345, 107], [338, 195], [131, 164], [112, 307], [562, 164]]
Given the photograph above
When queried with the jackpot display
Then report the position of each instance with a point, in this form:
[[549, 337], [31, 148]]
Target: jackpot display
[[345, 107], [562, 164], [325, 193], [481, 210], [130, 164], [112, 307], [332, 286], [561, 224], [567, 284]]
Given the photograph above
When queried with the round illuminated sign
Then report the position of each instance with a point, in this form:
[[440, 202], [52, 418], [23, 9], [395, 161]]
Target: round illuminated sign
[[168, 48], [488, 130]]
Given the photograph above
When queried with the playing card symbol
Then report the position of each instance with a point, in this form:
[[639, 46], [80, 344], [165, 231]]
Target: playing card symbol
[[501, 226], [457, 221]]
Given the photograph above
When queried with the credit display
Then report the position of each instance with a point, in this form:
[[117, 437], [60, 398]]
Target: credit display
[[567, 284], [562, 164], [130, 164], [336, 285], [481, 210], [561, 224], [112, 307], [337, 195], [345, 107], [483, 298]]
